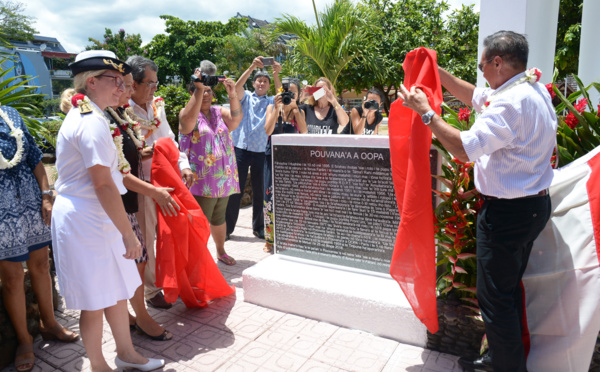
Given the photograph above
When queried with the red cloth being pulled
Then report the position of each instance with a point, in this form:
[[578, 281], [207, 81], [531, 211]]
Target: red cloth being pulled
[[413, 260], [184, 266]]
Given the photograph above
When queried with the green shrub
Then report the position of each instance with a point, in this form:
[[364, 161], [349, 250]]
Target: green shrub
[[175, 98]]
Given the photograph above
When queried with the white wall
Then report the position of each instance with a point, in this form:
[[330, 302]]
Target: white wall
[[537, 19]]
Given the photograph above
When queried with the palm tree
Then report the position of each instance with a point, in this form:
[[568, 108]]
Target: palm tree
[[325, 49]]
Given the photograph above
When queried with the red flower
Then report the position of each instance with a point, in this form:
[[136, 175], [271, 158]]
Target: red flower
[[158, 99], [464, 114], [126, 105], [538, 73], [571, 120], [75, 98], [487, 103], [598, 113], [580, 107], [116, 133], [550, 87], [157, 122]]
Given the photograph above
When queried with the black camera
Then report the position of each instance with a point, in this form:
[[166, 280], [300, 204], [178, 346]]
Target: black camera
[[208, 80], [286, 97], [371, 105]]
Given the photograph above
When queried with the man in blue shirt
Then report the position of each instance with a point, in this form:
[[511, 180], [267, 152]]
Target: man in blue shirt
[[250, 141]]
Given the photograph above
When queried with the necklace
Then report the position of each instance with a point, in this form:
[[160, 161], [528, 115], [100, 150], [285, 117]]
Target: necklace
[[17, 134], [150, 126], [124, 167], [137, 138], [532, 76]]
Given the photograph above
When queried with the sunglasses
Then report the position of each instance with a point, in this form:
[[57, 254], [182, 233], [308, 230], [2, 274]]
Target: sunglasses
[[481, 64]]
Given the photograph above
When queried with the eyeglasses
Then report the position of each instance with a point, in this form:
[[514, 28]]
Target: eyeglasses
[[480, 65], [151, 84], [118, 80]]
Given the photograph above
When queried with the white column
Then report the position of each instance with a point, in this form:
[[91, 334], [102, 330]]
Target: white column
[[589, 54], [537, 19]]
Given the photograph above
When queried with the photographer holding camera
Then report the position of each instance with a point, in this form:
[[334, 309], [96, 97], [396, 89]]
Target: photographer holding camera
[[283, 116], [250, 141], [365, 119], [204, 135]]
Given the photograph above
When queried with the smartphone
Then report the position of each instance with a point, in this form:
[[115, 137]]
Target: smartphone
[[268, 61], [318, 94]]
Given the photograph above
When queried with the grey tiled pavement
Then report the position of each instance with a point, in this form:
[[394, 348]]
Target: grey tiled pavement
[[233, 335]]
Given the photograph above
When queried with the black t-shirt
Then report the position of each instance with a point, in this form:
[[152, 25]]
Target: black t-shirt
[[282, 126], [329, 125], [369, 128]]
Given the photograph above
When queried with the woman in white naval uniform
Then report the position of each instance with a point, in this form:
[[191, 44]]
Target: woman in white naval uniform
[[94, 245]]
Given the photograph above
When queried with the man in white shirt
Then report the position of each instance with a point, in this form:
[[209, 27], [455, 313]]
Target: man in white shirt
[[511, 143], [154, 123]]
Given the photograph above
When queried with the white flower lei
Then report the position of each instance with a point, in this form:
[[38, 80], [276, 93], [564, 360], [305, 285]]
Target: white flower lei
[[124, 166], [17, 134], [532, 76], [150, 126], [137, 138]]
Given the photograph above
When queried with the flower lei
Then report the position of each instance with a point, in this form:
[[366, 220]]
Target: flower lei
[[137, 138], [532, 76], [124, 166], [150, 126], [17, 134]]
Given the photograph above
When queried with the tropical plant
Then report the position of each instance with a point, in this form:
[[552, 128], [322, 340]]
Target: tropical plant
[[185, 44], [121, 43], [14, 25], [175, 98], [456, 219], [578, 130], [326, 49]]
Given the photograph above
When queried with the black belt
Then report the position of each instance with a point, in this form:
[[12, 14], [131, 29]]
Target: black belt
[[541, 193]]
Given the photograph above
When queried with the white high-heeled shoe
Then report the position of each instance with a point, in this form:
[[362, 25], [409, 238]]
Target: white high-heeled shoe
[[151, 365]]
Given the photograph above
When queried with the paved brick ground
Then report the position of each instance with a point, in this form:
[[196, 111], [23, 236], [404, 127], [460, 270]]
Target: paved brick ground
[[232, 335]]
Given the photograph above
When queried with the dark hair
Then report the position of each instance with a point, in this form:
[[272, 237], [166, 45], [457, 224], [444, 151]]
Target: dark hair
[[377, 92], [513, 48], [296, 82], [138, 65], [263, 74]]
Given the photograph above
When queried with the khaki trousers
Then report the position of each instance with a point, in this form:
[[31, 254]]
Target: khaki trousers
[[147, 219]]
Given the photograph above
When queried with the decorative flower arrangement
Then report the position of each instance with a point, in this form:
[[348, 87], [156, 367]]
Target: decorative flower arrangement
[[124, 166]]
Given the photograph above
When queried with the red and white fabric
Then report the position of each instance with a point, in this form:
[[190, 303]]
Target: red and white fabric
[[562, 280]]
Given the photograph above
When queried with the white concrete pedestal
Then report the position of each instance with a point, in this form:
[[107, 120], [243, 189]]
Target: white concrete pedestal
[[334, 294]]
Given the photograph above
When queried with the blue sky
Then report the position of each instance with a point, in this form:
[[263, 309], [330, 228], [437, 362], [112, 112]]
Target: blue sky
[[73, 22]]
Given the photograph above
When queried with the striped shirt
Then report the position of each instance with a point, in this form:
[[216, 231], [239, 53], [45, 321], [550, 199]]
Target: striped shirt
[[512, 141]]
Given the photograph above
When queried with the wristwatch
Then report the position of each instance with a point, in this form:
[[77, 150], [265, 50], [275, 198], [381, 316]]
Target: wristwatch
[[48, 192], [426, 117]]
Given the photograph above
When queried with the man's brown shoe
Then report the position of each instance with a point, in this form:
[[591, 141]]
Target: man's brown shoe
[[158, 302]]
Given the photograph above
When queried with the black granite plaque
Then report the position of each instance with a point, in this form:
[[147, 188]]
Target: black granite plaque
[[335, 205]]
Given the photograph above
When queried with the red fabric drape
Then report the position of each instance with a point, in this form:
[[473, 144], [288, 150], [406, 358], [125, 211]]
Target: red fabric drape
[[184, 266], [413, 261]]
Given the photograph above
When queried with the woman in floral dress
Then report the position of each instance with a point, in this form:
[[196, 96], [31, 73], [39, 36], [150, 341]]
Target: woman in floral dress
[[204, 136]]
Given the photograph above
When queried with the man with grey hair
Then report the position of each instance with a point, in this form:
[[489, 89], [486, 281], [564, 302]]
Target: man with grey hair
[[151, 114], [511, 143]]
